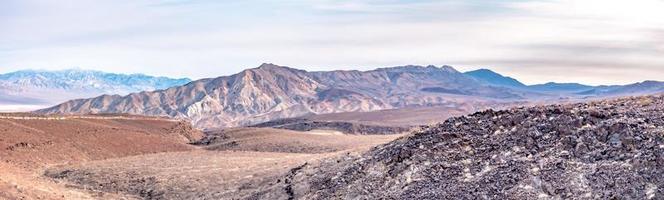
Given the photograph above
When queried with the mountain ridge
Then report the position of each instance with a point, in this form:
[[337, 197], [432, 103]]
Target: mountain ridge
[[270, 92], [493, 78]]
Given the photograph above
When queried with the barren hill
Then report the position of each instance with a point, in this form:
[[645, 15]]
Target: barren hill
[[30, 143], [599, 150]]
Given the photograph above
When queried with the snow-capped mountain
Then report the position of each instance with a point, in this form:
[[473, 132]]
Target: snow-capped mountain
[[28, 89]]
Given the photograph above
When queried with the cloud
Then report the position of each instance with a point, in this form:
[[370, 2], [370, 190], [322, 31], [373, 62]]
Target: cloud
[[588, 41]]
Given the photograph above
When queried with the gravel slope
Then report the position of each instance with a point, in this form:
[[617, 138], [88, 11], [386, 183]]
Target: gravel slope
[[610, 149]]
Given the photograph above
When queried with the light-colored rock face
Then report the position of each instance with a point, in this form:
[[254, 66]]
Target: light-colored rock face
[[270, 92]]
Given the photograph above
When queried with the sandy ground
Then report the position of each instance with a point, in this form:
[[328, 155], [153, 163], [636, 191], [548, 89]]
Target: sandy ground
[[211, 174], [151, 159], [16, 183], [195, 174], [280, 140], [324, 132], [28, 147]]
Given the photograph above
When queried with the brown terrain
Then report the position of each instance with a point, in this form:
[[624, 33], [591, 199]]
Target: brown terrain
[[304, 124], [32, 143], [230, 164], [595, 150], [411, 116], [132, 157], [400, 117], [287, 141], [337, 135], [391, 121]]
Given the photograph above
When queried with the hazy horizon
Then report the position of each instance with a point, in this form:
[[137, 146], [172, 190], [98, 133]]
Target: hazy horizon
[[535, 41], [194, 79]]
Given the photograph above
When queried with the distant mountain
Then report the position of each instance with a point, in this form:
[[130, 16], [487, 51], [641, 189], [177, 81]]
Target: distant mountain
[[646, 87], [493, 78], [560, 87], [42, 88], [272, 92]]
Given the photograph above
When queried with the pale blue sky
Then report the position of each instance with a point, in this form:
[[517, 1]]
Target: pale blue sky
[[588, 41]]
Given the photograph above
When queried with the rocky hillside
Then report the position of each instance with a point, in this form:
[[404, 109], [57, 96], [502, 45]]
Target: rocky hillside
[[272, 92], [610, 149]]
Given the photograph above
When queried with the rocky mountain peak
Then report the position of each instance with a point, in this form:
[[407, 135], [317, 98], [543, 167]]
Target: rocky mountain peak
[[268, 66], [450, 69], [274, 67]]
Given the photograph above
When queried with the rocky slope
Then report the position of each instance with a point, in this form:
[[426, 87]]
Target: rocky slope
[[272, 92], [610, 149]]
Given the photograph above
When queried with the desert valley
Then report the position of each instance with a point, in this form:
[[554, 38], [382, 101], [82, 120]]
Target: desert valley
[[331, 99], [276, 132]]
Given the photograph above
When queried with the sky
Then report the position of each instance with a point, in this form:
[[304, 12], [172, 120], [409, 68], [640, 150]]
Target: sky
[[587, 41]]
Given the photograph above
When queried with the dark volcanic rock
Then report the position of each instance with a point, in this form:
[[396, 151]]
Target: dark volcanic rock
[[602, 150], [302, 124]]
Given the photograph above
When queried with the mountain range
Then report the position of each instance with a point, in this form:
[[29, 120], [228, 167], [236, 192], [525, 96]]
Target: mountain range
[[570, 89], [272, 92], [39, 88]]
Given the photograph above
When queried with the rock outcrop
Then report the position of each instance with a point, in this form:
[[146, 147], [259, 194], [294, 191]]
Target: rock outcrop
[[610, 149]]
